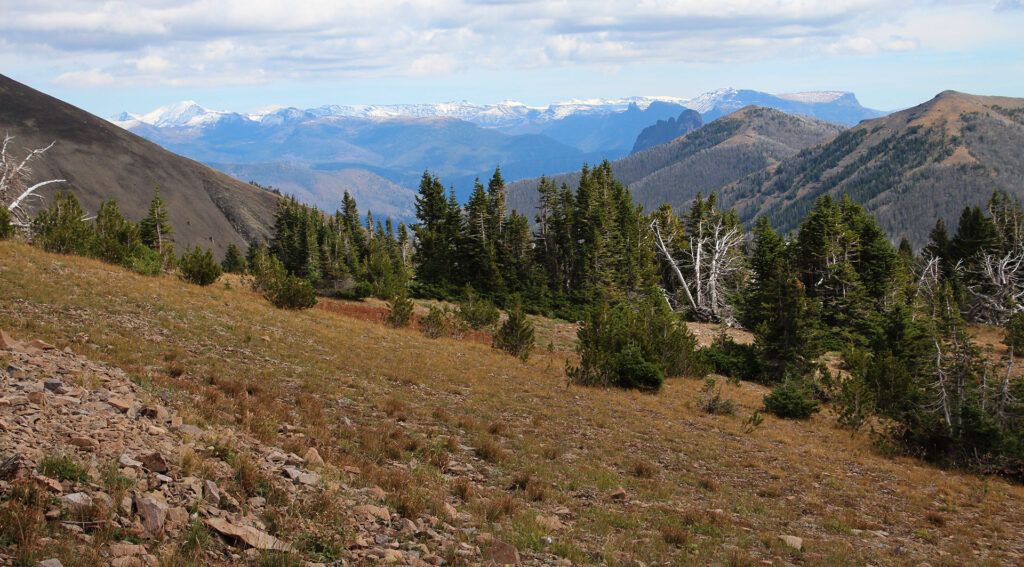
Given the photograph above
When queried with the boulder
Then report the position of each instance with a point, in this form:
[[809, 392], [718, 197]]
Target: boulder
[[500, 554], [153, 512], [155, 462], [248, 535], [792, 541]]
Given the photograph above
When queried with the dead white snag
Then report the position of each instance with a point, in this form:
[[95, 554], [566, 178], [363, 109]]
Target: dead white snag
[[14, 179]]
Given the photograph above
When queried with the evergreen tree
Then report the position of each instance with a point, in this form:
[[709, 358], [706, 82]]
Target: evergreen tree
[[516, 334], [234, 262], [155, 229], [61, 227], [117, 238]]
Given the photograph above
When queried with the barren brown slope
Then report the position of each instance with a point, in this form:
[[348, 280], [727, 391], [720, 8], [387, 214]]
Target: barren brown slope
[[102, 161], [479, 446], [704, 160], [908, 168]]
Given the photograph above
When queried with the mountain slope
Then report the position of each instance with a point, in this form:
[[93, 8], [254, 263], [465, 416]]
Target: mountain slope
[[704, 160], [101, 161], [664, 131], [612, 134], [908, 168]]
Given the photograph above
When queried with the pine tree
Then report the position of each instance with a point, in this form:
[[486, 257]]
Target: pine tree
[[233, 262], [117, 238], [516, 334], [155, 229], [60, 227]]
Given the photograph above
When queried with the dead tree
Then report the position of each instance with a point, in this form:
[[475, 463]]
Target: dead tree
[[706, 264], [1000, 289], [14, 181]]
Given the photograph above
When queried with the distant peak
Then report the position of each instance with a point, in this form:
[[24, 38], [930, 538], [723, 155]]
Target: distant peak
[[813, 97]]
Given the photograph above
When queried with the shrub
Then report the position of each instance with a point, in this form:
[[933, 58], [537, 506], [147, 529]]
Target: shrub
[[1014, 328], [790, 401], [516, 335], [291, 292], [711, 400], [646, 325], [6, 228], [478, 312], [400, 311], [435, 324], [146, 262], [60, 227], [731, 359], [197, 266], [632, 371], [358, 292]]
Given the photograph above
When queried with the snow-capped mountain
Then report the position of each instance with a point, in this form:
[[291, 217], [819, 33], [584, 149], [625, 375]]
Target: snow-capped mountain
[[341, 145], [510, 115]]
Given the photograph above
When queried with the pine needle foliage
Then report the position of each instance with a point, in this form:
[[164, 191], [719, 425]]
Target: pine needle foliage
[[400, 311], [197, 266], [516, 334]]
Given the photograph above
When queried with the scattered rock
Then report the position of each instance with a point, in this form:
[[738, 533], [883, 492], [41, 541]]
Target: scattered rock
[[36, 343], [377, 512], [500, 554], [126, 461], [86, 443], [247, 534], [37, 398], [153, 511], [7, 342], [78, 503], [155, 412], [550, 523], [49, 562], [792, 541], [155, 462], [120, 404], [126, 550], [313, 458], [211, 493], [619, 494]]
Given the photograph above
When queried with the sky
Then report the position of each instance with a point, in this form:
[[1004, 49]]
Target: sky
[[245, 55]]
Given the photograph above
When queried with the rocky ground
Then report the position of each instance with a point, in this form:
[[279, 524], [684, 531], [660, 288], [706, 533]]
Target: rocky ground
[[123, 482]]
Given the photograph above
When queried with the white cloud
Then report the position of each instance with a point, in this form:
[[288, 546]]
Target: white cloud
[[218, 41], [85, 79]]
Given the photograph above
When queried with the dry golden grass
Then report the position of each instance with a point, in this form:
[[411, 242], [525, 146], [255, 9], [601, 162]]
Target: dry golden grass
[[379, 399]]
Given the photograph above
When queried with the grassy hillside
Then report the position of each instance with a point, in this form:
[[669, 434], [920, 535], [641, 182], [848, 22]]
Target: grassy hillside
[[908, 168], [706, 159], [445, 423]]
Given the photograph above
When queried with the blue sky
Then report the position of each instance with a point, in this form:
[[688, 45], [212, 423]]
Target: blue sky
[[243, 55]]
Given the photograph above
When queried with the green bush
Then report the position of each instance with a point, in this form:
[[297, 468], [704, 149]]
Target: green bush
[[358, 292], [711, 400], [198, 266], [478, 312], [790, 401], [400, 311], [146, 262], [516, 335], [60, 227], [6, 228], [632, 371], [731, 359], [645, 324], [435, 324], [291, 292]]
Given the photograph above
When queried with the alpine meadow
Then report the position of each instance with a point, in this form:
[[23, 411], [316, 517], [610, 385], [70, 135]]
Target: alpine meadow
[[738, 328]]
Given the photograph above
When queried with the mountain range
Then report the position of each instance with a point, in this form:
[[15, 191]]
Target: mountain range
[[101, 161], [704, 160], [908, 168], [376, 151]]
